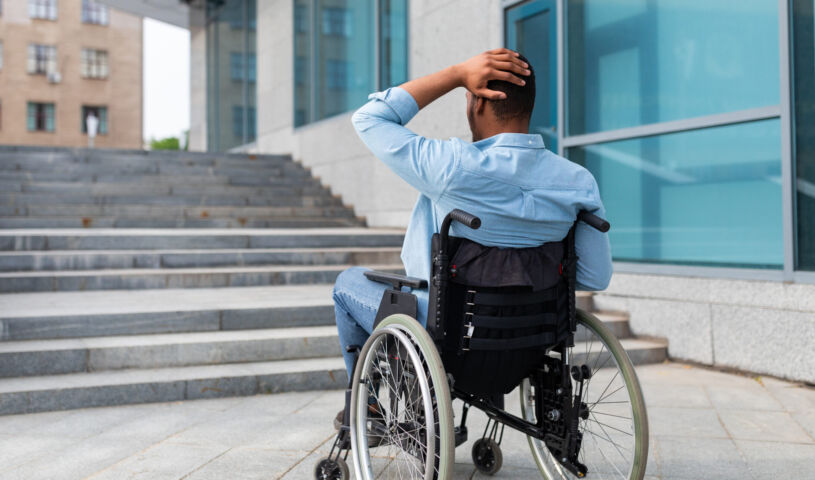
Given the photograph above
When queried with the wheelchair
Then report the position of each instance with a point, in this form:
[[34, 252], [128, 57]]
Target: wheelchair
[[491, 330]]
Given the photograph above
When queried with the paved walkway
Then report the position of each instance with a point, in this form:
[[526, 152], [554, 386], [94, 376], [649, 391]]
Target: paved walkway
[[704, 424]]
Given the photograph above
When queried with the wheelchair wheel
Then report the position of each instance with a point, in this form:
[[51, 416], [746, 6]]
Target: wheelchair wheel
[[401, 411], [615, 432]]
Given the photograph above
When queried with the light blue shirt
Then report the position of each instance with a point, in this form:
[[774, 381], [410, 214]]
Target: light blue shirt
[[524, 194]]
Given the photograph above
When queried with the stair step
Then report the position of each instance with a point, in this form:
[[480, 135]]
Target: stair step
[[51, 199], [50, 160], [125, 189], [96, 221], [159, 238], [68, 260], [52, 357], [172, 211], [118, 387], [150, 278], [38, 316], [154, 178], [617, 322], [122, 387], [31, 165]]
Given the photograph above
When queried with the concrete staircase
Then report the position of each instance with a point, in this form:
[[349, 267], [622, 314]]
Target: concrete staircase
[[105, 316]]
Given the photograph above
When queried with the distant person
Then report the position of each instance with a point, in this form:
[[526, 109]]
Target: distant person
[[91, 124]]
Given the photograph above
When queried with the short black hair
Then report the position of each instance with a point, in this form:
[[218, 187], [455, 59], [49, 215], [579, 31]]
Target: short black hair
[[520, 98]]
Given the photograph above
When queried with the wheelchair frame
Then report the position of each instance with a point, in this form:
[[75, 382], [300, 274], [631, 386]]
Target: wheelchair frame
[[561, 435]]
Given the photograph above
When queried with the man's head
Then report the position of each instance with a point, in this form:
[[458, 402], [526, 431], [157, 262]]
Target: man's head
[[512, 114]]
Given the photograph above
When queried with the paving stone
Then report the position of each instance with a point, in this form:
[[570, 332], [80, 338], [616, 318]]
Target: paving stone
[[164, 461], [252, 463], [770, 460], [690, 458], [763, 426], [685, 422], [667, 395], [754, 397], [794, 397]]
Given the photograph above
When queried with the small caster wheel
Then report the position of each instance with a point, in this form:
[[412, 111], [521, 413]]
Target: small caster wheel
[[328, 469], [487, 456]]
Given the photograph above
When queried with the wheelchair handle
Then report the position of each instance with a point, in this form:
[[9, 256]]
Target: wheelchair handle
[[466, 218], [593, 221]]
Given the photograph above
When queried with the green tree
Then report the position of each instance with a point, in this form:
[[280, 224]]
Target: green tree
[[169, 143]]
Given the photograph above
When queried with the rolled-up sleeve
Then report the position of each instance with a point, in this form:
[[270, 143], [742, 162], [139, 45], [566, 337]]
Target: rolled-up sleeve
[[426, 164], [594, 267]]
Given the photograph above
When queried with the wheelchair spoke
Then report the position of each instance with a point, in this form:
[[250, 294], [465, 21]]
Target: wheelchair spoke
[[611, 446]]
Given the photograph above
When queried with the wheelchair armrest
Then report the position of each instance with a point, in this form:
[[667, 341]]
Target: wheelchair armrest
[[398, 281]]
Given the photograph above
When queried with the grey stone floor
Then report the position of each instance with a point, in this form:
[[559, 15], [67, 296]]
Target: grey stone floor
[[704, 424]]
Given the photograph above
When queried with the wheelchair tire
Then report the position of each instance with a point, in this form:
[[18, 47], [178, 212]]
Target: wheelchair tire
[[623, 398], [400, 369], [328, 469], [487, 456]]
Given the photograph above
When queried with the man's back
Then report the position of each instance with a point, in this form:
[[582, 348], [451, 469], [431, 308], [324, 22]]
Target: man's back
[[524, 194]]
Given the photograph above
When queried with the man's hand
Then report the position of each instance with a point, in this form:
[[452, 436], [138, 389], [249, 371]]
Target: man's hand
[[498, 64], [473, 74]]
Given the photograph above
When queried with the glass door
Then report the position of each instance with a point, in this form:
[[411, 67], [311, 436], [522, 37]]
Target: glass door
[[531, 28]]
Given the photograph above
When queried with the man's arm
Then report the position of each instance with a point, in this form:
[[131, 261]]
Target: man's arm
[[593, 249], [473, 75], [426, 163]]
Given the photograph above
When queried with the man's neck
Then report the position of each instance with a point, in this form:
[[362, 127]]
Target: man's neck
[[503, 128]]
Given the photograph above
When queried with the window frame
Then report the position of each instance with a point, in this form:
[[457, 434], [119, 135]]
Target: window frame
[[41, 59], [43, 10], [101, 113], [94, 13], [41, 111], [94, 63]]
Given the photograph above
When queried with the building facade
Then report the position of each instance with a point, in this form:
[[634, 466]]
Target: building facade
[[61, 60], [697, 117]]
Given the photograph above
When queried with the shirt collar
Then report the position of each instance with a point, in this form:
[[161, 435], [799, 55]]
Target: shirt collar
[[523, 140]]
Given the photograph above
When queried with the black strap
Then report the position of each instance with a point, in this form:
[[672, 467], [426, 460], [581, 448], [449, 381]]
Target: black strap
[[512, 299], [521, 321], [516, 343]]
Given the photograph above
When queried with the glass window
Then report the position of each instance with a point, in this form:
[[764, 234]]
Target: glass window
[[40, 117], [335, 64], [101, 114], [45, 9], [349, 41], [636, 62], [803, 56], [42, 59], [393, 44], [94, 12], [302, 62], [337, 21], [238, 119], [531, 29], [231, 73], [707, 197], [93, 63]]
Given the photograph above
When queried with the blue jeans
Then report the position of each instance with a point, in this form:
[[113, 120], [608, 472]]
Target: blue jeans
[[356, 301]]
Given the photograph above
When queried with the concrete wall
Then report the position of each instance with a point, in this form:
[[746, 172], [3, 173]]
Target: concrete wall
[[757, 326], [198, 81], [330, 147], [121, 92]]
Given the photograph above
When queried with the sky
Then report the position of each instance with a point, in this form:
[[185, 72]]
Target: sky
[[166, 80]]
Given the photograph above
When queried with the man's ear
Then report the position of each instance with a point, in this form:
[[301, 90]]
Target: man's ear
[[480, 105]]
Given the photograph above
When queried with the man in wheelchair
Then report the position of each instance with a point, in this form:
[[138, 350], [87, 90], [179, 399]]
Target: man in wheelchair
[[495, 235]]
